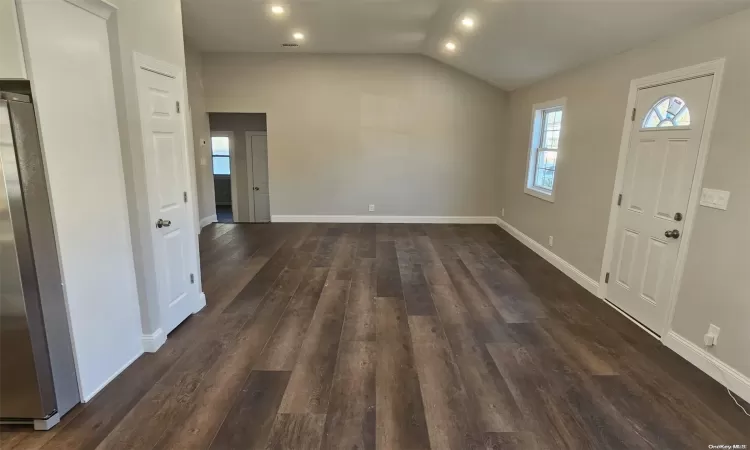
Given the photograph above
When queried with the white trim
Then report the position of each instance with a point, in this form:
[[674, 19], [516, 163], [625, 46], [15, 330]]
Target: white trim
[[715, 68], [709, 364], [20, 45], [100, 8], [208, 220], [85, 398], [536, 192], [201, 303], [232, 169], [536, 123], [384, 219], [565, 267], [152, 342]]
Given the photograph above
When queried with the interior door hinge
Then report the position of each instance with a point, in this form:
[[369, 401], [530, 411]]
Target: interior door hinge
[[619, 200], [632, 118], [606, 278], [178, 107], [184, 196], [192, 279]]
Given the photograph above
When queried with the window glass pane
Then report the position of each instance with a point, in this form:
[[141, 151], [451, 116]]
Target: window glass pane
[[667, 112], [221, 165], [651, 121], [547, 138], [661, 108], [545, 169], [551, 127], [683, 117], [220, 145], [551, 139]]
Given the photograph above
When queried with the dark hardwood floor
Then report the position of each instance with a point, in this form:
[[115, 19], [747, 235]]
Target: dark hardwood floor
[[396, 337]]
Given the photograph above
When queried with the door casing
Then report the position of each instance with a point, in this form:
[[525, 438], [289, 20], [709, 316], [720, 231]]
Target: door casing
[[715, 68], [145, 62]]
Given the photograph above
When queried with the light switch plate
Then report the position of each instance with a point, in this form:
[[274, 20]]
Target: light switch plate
[[715, 198]]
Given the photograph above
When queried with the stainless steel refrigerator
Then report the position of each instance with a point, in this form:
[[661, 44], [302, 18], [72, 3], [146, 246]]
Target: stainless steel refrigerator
[[38, 382]]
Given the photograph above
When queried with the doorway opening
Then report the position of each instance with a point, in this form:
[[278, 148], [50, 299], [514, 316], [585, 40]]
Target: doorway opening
[[239, 150], [221, 159]]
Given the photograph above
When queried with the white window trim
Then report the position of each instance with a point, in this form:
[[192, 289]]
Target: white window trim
[[531, 157], [232, 170]]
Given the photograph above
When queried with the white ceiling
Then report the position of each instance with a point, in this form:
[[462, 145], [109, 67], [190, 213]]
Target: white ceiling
[[515, 42]]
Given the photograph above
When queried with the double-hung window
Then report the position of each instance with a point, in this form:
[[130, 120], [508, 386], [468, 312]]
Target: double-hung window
[[220, 154], [546, 130]]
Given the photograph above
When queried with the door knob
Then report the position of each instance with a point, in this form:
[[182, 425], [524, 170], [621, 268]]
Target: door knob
[[163, 223], [256, 188], [674, 234]]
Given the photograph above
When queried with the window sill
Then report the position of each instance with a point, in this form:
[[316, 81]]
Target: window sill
[[538, 193]]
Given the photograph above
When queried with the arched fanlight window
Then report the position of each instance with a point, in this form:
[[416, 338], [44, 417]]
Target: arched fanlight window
[[668, 112]]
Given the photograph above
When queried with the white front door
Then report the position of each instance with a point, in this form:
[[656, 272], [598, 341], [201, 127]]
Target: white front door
[[661, 161], [257, 149], [161, 105]]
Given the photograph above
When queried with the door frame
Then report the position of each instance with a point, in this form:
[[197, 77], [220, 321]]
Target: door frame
[[249, 166], [232, 170], [149, 63], [715, 68]]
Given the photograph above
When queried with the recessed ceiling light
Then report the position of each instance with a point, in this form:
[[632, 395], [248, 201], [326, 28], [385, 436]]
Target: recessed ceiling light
[[467, 22], [298, 36], [450, 46], [278, 10]]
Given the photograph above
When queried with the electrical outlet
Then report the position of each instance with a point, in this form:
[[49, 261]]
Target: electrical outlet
[[551, 241], [712, 337], [372, 208], [502, 212]]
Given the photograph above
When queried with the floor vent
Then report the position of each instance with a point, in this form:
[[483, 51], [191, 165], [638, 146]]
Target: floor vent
[[290, 44]]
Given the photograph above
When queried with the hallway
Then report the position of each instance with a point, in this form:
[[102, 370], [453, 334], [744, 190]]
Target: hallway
[[406, 336]]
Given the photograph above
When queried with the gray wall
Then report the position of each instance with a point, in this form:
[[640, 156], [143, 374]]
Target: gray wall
[[238, 124], [403, 132], [201, 133], [714, 289]]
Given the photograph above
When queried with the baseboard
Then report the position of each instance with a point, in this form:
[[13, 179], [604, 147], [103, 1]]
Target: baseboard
[[565, 267], [384, 219], [201, 303], [153, 342], [208, 220], [86, 397], [708, 363]]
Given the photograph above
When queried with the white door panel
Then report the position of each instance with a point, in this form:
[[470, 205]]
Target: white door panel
[[657, 182], [257, 148], [165, 156]]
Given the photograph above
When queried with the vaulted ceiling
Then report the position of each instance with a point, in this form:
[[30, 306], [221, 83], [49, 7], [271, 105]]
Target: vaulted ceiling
[[513, 42]]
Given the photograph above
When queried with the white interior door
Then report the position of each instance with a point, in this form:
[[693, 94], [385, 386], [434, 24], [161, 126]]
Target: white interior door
[[257, 144], [658, 176], [160, 96]]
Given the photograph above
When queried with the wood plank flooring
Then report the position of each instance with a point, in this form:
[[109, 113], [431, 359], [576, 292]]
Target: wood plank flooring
[[349, 336]]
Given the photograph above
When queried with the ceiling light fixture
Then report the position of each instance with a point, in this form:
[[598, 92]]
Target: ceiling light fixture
[[298, 36], [450, 46], [467, 22], [277, 10]]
